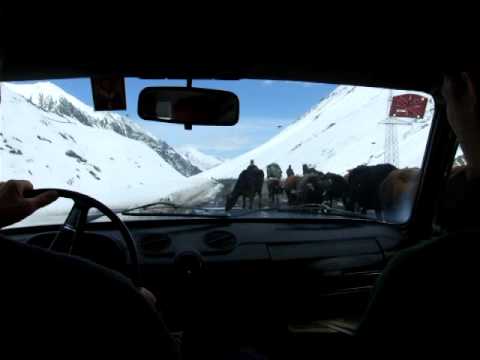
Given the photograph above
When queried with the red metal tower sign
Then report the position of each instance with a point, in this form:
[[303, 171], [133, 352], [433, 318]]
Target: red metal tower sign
[[408, 106]]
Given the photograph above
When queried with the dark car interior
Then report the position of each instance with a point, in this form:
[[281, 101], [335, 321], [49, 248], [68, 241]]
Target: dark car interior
[[277, 286]]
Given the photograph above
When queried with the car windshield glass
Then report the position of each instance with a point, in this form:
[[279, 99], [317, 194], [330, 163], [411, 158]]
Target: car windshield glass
[[301, 150]]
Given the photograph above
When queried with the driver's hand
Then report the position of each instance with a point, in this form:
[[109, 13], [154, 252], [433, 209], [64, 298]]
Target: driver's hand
[[15, 207]]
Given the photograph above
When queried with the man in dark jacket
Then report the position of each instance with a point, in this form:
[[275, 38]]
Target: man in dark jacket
[[427, 296], [290, 171], [252, 166]]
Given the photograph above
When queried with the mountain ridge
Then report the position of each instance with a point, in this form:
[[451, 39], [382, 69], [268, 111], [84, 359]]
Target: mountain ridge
[[53, 99]]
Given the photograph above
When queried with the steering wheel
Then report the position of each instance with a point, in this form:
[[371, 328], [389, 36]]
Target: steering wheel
[[76, 221]]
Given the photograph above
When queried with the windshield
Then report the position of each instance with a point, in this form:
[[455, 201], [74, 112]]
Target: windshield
[[300, 150]]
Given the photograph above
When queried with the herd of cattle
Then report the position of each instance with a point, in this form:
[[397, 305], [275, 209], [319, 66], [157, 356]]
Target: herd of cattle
[[383, 188]]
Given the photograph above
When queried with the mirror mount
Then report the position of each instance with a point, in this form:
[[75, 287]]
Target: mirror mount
[[188, 126]]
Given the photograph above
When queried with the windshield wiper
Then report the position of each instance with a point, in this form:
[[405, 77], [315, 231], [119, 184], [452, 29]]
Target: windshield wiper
[[166, 208], [158, 203], [311, 209], [322, 209]]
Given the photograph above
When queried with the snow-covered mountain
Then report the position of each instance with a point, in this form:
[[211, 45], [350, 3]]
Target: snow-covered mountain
[[64, 143], [343, 131], [58, 150], [198, 158], [52, 99]]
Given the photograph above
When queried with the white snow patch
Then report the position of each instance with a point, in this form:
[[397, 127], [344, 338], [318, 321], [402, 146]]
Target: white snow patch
[[198, 158]]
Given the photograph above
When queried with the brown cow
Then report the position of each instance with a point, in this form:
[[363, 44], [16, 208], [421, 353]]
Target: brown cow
[[290, 186], [397, 194]]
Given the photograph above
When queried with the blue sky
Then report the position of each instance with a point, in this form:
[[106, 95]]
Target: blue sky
[[266, 107]]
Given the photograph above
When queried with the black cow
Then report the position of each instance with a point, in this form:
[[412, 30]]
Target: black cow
[[364, 182], [249, 184], [337, 189], [310, 170], [312, 189]]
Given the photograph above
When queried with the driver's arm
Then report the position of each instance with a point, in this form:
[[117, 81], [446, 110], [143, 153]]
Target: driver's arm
[[14, 206], [115, 306]]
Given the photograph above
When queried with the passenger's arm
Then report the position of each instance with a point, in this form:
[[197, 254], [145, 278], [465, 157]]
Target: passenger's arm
[[387, 314]]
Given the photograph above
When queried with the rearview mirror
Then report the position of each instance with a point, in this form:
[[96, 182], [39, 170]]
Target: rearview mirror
[[189, 106]]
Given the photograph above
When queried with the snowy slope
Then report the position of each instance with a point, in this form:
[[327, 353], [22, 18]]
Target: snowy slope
[[198, 158], [51, 98], [342, 131], [58, 151]]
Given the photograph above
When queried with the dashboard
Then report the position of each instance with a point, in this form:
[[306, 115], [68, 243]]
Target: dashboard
[[333, 246], [267, 271], [275, 242]]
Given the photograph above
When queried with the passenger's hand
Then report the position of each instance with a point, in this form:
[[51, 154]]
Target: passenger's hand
[[14, 206]]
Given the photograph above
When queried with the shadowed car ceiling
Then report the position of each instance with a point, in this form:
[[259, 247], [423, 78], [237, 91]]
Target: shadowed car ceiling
[[37, 66]]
